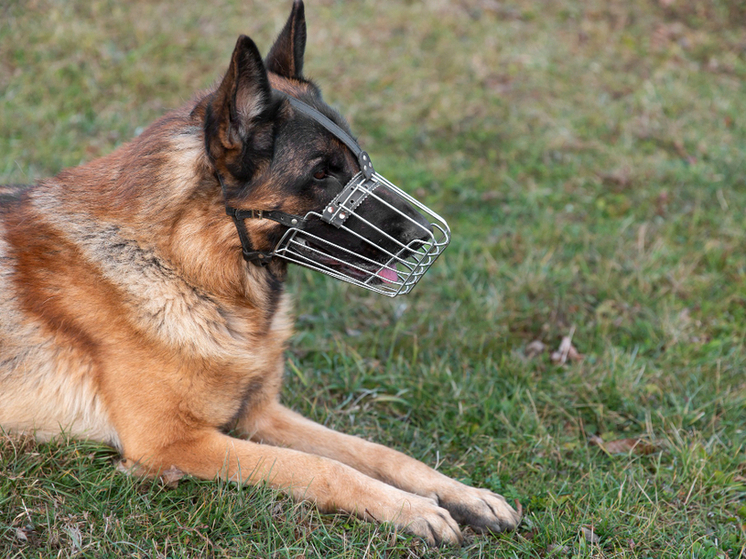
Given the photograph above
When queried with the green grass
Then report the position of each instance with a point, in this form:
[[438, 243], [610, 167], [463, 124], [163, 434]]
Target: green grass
[[590, 158]]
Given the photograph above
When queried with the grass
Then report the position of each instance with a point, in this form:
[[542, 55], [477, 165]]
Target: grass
[[590, 158]]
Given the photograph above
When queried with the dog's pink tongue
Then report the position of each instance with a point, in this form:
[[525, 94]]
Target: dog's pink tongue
[[388, 275]]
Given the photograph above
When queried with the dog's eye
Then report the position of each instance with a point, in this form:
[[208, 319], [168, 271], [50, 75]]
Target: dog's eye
[[320, 174]]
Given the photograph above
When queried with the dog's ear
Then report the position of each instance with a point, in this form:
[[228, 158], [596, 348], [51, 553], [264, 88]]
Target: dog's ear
[[236, 118], [286, 56]]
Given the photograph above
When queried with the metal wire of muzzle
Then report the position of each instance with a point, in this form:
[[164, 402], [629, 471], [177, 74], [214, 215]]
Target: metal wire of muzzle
[[394, 271]]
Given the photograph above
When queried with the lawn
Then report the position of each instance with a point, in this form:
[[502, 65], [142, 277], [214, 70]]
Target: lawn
[[590, 158]]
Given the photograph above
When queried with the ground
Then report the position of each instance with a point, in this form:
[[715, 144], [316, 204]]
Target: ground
[[590, 159]]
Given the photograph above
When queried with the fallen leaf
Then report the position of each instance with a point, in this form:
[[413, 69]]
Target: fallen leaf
[[623, 446], [566, 351], [618, 177], [537, 347], [589, 534], [661, 203], [171, 477], [21, 535], [131, 468], [125, 467], [556, 549], [530, 534], [681, 151], [518, 507]]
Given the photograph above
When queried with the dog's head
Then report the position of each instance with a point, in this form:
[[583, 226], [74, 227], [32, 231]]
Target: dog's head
[[272, 157]]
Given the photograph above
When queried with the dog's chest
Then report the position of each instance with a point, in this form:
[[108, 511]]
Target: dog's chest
[[245, 376]]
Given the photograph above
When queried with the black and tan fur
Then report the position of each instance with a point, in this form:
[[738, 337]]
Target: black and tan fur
[[128, 316]]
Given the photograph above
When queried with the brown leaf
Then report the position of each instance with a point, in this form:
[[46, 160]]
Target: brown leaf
[[537, 347], [125, 467], [566, 351], [518, 507], [681, 151], [623, 446], [589, 534], [661, 203], [618, 177], [21, 535], [556, 550], [170, 478], [530, 534]]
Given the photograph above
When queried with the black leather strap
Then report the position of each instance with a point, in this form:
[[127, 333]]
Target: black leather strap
[[256, 256], [288, 220], [363, 159]]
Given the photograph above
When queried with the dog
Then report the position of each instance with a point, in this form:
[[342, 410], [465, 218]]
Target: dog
[[130, 315]]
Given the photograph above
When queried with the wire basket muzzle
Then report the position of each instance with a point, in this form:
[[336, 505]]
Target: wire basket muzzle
[[348, 245]]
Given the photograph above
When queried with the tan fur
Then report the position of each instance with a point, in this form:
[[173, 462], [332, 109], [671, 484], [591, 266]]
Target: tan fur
[[128, 316]]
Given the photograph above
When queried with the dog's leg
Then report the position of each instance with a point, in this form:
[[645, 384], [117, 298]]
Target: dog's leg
[[333, 486], [479, 508]]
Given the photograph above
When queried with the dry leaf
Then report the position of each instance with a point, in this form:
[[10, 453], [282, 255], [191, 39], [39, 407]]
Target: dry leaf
[[566, 351], [171, 477], [125, 467], [530, 534], [589, 534], [661, 203], [618, 177], [556, 549], [21, 535], [623, 446], [518, 507], [537, 347]]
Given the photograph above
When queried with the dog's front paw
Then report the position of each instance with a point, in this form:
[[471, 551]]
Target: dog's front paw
[[481, 509], [422, 517]]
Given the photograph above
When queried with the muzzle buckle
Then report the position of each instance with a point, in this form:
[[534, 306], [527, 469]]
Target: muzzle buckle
[[345, 203]]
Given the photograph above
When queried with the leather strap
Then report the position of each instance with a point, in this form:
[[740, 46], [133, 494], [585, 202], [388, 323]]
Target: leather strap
[[256, 256], [363, 159]]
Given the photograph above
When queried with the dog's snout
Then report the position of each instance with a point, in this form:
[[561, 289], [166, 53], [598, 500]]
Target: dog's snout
[[417, 230]]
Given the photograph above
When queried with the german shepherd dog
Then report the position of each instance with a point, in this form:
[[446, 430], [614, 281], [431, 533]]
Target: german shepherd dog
[[129, 316]]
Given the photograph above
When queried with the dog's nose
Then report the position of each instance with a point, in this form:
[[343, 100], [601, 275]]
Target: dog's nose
[[418, 230]]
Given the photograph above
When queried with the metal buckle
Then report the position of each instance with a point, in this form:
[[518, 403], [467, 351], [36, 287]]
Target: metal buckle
[[345, 203]]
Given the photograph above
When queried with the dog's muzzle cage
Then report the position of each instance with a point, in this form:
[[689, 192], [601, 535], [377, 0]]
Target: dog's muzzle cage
[[396, 265], [403, 265]]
